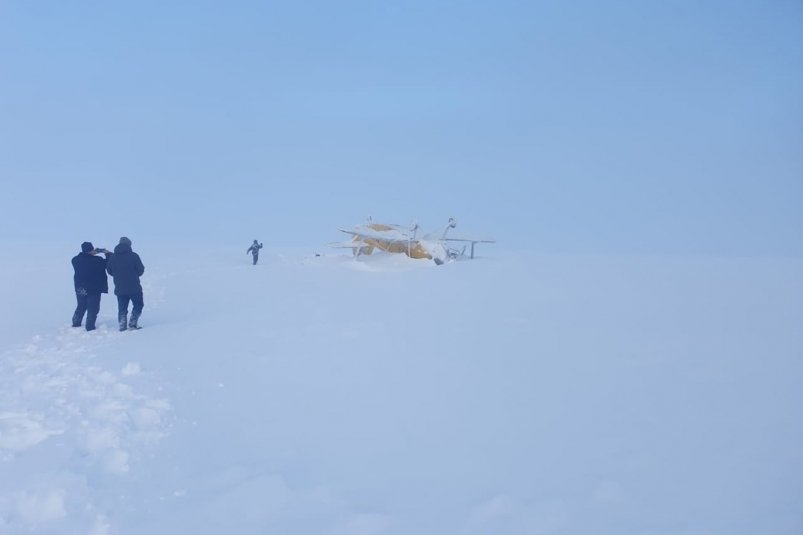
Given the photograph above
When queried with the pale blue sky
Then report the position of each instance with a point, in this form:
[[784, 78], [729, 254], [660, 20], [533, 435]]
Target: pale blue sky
[[584, 127]]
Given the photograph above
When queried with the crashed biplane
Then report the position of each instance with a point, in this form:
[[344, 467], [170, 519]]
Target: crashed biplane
[[398, 239]]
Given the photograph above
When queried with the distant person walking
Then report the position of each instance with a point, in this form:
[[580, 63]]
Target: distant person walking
[[254, 250], [90, 281], [126, 268]]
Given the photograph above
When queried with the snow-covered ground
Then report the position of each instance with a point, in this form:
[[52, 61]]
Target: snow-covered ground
[[515, 394]]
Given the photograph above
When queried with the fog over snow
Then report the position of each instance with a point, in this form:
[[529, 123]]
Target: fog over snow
[[627, 359], [627, 127]]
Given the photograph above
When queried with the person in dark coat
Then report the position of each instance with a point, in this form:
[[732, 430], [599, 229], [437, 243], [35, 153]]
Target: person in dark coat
[[126, 268], [254, 250], [90, 281]]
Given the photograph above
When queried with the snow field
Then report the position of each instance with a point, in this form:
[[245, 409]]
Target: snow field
[[71, 420], [515, 394]]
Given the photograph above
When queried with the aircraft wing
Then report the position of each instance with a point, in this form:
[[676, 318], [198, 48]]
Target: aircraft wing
[[472, 240], [387, 236]]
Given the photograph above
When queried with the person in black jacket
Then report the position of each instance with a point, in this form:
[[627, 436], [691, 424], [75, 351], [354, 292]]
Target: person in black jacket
[[254, 250], [126, 268], [90, 281]]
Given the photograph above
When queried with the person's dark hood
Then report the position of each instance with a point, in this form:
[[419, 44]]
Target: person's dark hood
[[122, 248]]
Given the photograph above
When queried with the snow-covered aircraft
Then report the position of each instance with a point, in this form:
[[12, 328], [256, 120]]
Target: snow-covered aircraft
[[398, 239]]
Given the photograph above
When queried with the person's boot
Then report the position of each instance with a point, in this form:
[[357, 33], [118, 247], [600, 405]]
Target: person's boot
[[132, 323], [123, 320]]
